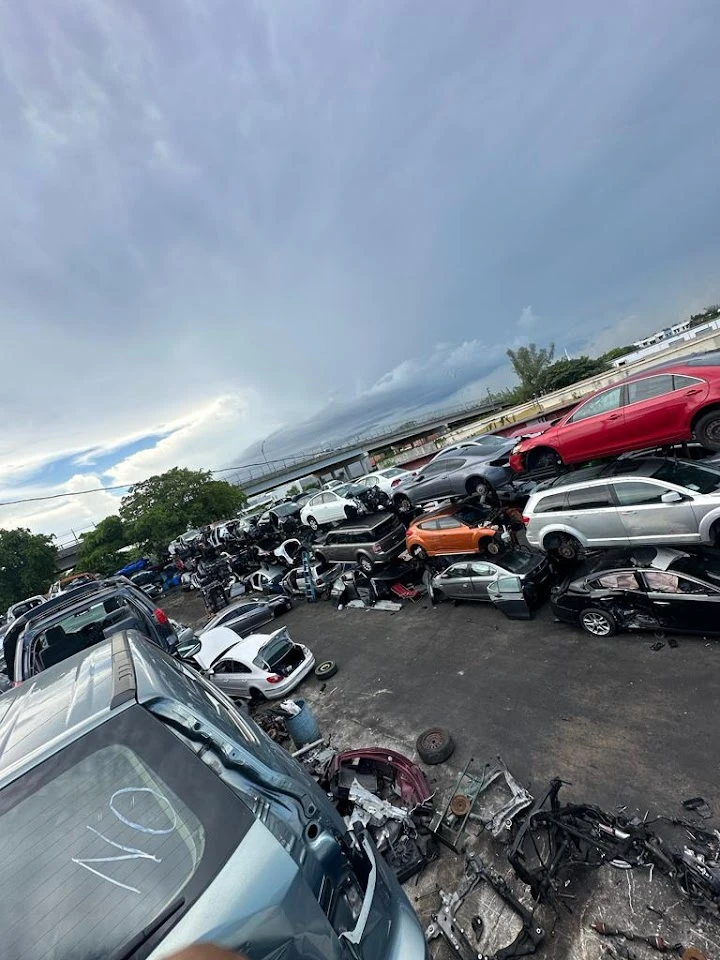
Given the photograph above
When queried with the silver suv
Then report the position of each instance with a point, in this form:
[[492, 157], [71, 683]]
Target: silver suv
[[141, 812], [629, 501]]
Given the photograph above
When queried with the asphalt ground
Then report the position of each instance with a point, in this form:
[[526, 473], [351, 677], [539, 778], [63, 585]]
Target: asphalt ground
[[625, 726]]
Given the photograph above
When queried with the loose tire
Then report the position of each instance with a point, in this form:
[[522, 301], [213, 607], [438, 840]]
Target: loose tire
[[707, 430], [435, 745], [312, 523], [326, 669], [598, 623], [365, 564], [543, 458]]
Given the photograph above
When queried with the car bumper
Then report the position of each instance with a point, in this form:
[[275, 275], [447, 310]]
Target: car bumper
[[274, 691]]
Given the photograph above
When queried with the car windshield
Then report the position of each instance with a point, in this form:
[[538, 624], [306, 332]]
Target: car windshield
[[111, 834], [390, 472], [688, 475], [473, 516], [274, 652], [347, 489], [283, 509]]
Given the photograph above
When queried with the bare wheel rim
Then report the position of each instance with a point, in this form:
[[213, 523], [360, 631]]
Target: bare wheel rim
[[433, 740], [712, 431], [567, 549], [596, 624]]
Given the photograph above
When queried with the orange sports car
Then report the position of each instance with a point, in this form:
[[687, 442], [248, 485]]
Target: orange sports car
[[460, 528]]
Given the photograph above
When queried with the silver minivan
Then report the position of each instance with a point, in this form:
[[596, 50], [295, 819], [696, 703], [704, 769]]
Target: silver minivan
[[644, 500]]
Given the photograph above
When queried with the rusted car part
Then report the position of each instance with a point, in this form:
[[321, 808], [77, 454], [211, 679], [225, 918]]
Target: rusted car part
[[652, 940], [450, 823], [554, 841], [379, 771], [444, 923]]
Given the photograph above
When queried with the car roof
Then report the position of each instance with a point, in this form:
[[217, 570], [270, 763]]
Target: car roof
[[447, 511], [368, 522]]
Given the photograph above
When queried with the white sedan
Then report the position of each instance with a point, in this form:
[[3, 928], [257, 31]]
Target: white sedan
[[262, 666], [386, 479], [329, 507]]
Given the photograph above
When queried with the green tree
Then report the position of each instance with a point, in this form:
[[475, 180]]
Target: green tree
[[528, 363], [162, 507], [566, 371], [293, 491], [615, 353], [27, 565], [100, 549]]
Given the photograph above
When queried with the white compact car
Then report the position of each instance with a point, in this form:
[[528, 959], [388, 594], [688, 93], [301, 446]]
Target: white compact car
[[386, 479], [262, 666], [329, 507]]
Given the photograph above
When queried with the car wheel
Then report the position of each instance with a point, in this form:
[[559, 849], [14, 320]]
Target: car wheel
[[598, 623], [543, 458], [420, 553], [365, 564], [565, 547], [435, 745], [351, 513], [326, 669], [715, 534], [479, 488], [707, 430], [256, 696], [312, 523], [403, 503], [491, 545]]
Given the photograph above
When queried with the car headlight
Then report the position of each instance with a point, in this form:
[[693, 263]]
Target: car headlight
[[516, 449]]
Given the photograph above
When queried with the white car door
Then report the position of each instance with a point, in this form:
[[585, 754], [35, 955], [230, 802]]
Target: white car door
[[232, 677]]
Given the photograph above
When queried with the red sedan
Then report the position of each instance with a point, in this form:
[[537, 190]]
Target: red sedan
[[669, 404]]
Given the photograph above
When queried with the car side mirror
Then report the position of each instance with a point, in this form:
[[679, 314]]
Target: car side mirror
[[672, 496]]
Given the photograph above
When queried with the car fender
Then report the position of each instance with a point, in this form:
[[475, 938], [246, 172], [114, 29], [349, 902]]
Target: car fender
[[706, 523], [560, 528]]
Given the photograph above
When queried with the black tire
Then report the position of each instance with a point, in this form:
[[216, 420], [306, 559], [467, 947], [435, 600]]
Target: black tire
[[707, 430], [565, 546], [403, 503], [365, 563], [319, 557], [543, 458], [420, 553], [598, 623], [312, 523], [326, 669], [256, 696], [715, 534], [435, 745], [351, 513]]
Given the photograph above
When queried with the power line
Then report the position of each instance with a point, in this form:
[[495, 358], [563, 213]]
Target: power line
[[122, 486]]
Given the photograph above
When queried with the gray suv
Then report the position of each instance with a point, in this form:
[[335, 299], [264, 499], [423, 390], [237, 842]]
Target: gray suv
[[142, 812], [649, 500], [367, 541]]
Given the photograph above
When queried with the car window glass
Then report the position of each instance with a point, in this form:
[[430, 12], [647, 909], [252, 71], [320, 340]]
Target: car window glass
[[234, 666], [661, 581], [509, 585], [632, 493], [482, 570], [458, 570], [552, 503], [649, 387], [620, 580], [590, 498], [685, 585], [448, 523], [681, 383], [603, 403], [439, 466], [428, 525]]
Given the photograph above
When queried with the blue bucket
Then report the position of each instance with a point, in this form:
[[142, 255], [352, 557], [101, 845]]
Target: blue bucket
[[303, 728]]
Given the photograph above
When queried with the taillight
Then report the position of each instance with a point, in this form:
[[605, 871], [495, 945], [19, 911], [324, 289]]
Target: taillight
[[273, 678], [16, 683], [526, 520], [376, 548], [161, 618], [396, 482]]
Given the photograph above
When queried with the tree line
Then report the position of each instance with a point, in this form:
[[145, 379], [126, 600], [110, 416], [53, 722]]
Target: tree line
[[152, 514]]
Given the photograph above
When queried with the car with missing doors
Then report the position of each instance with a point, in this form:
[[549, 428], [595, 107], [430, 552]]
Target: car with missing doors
[[671, 404], [634, 500], [367, 541], [177, 796], [470, 577], [644, 588]]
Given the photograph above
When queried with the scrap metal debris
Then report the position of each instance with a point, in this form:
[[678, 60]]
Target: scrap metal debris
[[654, 941], [444, 923], [698, 805], [450, 823]]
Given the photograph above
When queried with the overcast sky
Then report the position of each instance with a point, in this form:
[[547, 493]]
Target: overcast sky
[[223, 219]]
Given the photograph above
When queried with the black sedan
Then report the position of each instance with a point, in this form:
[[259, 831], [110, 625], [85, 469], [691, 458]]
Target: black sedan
[[644, 588]]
